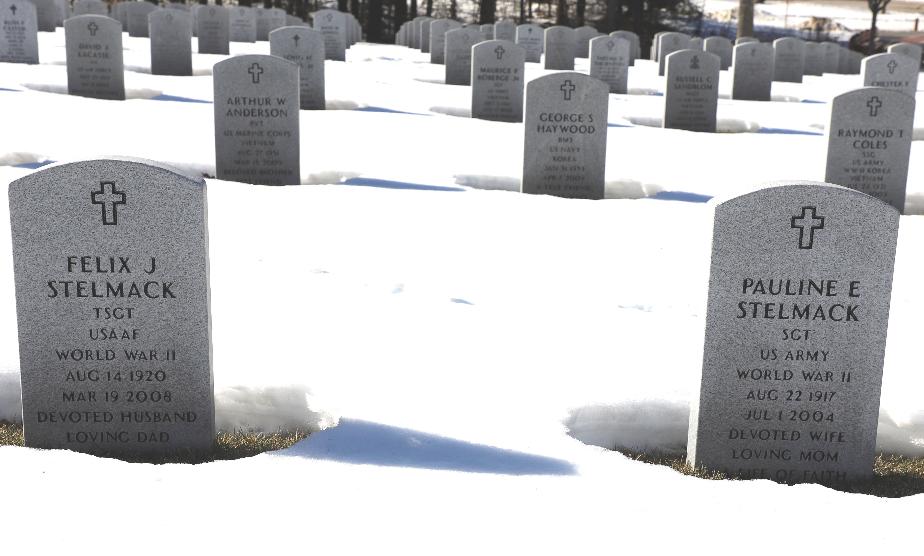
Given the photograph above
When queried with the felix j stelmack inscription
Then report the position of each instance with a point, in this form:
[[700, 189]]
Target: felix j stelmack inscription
[[799, 293], [112, 299]]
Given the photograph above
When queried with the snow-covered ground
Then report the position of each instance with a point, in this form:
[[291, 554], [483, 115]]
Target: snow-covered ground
[[456, 330]]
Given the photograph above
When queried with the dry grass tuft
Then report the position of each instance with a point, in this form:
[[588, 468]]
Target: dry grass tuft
[[228, 446]]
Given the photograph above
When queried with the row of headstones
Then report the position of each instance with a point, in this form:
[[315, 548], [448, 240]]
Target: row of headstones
[[171, 30], [565, 122], [114, 328]]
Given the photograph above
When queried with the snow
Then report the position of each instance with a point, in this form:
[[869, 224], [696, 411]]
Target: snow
[[454, 331]]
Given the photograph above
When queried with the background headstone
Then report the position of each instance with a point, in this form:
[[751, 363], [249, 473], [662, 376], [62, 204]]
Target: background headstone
[[256, 120], [331, 25], [745, 40], [46, 12], [814, 58], [559, 48], [869, 143], [788, 59], [497, 81], [425, 35], [609, 62], [908, 49], [505, 30], [94, 57], [213, 24], [137, 17], [691, 91], [696, 43], [487, 31], [458, 56], [752, 71], [635, 50], [18, 32], [721, 47], [565, 146], [171, 42], [892, 71], [669, 43], [112, 298], [530, 38], [304, 47], [90, 7], [438, 30], [242, 23], [795, 335], [583, 36], [830, 53]]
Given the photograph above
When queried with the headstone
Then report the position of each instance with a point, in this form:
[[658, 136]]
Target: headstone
[[414, 31], [64, 11], [459, 43], [691, 93], [18, 32], [120, 14], [856, 60], [487, 31], [635, 51], [171, 42], [721, 47], [214, 26], [745, 40], [869, 143], [177, 6], [438, 30], [529, 36], [560, 47], [752, 71], [497, 81], [242, 23], [830, 56], [505, 30], [653, 51], [46, 12], [908, 49], [304, 47], [696, 43], [795, 401], [892, 71], [609, 62], [669, 43], [262, 16], [788, 59], [565, 145], [94, 57], [256, 120], [814, 58], [583, 36], [137, 16], [90, 7], [112, 299], [425, 35], [331, 25]]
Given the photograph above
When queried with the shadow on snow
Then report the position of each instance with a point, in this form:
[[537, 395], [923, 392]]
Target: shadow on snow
[[364, 442]]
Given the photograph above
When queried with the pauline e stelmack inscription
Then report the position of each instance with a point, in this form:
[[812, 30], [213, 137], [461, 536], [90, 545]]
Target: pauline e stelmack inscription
[[796, 324], [112, 302]]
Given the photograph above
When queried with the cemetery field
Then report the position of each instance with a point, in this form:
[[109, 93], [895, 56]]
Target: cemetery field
[[477, 370]]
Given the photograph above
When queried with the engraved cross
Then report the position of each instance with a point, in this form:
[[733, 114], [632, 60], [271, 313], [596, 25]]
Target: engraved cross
[[499, 51], [892, 65], [109, 197], [874, 104], [255, 71], [810, 223], [567, 88], [296, 38], [92, 28], [13, 9]]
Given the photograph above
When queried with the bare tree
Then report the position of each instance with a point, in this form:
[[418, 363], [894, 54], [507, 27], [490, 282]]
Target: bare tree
[[579, 13], [875, 6], [561, 17], [745, 18], [488, 7]]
